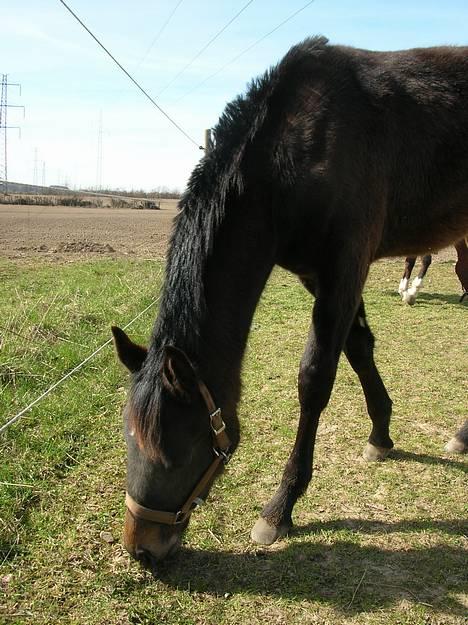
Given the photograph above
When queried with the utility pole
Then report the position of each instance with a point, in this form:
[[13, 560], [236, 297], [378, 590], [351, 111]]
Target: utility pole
[[99, 155], [208, 141], [4, 106], [43, 174]]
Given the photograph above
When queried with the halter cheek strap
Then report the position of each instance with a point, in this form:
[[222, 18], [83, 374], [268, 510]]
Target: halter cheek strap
[[221, 445]]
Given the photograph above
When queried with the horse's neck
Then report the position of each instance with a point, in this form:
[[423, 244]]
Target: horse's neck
[[235, 276], [231, 282]]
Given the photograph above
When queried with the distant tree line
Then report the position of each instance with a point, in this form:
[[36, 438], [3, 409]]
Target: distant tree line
[[161, 192], [54, 200]]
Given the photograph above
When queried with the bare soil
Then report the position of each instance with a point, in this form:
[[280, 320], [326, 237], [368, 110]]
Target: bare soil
[[65, 232], [68, 232]]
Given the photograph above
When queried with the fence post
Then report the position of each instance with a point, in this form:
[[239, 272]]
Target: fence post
[[208, 141]]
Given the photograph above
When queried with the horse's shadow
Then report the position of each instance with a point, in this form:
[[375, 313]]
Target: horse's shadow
[[348, 574], [426, 298], [400, 454], [444, 297]]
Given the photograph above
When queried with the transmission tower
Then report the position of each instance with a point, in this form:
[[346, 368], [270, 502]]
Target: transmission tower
[[35, 168], [3, 134], [4, 106]]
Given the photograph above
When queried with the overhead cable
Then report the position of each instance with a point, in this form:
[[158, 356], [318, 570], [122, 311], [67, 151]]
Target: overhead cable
[[159, 33], [238, 56], [205, 47], [131, 77]]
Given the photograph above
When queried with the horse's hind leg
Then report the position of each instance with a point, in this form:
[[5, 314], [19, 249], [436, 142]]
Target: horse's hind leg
[[404, 282], [359, 350], [409, 296], [459, 443]]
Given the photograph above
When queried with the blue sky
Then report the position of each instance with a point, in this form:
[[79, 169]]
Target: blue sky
[[67, 81]]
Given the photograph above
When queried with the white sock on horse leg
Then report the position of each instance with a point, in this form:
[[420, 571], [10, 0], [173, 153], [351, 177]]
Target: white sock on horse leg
[[403, 286]]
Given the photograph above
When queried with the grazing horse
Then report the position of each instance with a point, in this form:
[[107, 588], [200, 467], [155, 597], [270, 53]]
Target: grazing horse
[[334, 148], [409, 293]]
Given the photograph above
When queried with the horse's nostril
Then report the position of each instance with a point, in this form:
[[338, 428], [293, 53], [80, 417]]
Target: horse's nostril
[[145, 558]]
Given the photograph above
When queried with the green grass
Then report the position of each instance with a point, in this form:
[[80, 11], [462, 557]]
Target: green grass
[[374, 543]]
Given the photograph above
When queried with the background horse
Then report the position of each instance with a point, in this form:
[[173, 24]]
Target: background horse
[[333, 149], [410, 293]]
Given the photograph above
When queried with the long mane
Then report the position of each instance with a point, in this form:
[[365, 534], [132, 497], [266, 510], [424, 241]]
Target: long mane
[[217, 177]]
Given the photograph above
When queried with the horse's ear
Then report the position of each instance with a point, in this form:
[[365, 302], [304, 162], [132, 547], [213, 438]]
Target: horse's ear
[[130, 354], [178, 374]]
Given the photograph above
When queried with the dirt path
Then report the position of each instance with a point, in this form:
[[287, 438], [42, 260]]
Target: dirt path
[[62, 232]]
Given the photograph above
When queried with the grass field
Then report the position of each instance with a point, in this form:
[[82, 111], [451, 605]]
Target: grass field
[[373, 544]]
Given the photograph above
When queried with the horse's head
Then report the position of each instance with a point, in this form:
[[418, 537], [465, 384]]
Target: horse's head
[[176, 445]]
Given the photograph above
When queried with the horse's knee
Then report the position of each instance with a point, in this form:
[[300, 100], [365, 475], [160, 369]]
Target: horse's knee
[[315, 382]]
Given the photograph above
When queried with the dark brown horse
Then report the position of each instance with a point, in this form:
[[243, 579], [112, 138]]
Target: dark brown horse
[[409, 293], [333, 149]]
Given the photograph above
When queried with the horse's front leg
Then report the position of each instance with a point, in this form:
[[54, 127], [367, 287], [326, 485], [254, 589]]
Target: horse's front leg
[[409, 296], [335, 307], [410, 261]]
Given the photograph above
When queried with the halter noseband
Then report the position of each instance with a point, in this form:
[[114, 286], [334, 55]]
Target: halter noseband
[[221, 445]]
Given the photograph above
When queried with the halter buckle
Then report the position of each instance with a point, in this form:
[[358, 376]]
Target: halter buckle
[[214, 414], [179, 517], [225, 455]]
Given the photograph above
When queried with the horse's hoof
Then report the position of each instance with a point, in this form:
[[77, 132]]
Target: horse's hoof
[[265, 534], [372, 453], [454, 446], [408, 297]]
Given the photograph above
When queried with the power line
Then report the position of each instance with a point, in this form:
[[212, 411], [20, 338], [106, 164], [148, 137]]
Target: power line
[[205, 47], [131, 77], [159, 33], [233, 60]]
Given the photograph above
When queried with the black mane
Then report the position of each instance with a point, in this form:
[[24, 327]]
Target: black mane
[[217, 177]]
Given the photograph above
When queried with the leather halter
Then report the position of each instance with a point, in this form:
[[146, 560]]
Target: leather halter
[[221, 445]]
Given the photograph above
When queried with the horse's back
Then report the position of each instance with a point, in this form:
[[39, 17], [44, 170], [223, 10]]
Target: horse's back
[[387, 137]]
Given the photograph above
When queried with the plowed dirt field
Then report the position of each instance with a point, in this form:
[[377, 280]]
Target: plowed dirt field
[[64, 232]]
